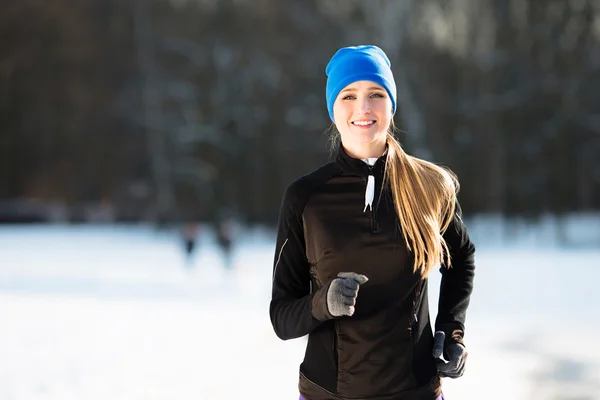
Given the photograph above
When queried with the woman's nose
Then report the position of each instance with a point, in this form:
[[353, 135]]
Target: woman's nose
[[364, 107]]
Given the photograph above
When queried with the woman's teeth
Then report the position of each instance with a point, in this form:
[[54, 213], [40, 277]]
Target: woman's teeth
[[363, 123]]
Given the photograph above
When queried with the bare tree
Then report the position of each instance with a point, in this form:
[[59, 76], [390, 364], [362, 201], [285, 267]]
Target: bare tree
[[153, 117]]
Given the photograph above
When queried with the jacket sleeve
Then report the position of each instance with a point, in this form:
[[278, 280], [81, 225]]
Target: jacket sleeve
[[457, 281], [291, 300]]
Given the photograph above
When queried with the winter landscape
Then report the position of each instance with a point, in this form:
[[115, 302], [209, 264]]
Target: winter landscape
[[118, 116], [115, 312]]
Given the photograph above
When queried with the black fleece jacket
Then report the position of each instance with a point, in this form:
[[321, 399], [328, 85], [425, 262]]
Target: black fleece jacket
[[383, 351]]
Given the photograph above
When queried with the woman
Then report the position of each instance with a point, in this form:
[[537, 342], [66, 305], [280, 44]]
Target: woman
[[374, 221]]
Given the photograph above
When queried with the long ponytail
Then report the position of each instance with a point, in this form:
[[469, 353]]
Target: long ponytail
[[424, 198]]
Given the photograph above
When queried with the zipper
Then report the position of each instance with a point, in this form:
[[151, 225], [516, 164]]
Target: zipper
[[374, 225], [372, 213], [314, 279], [414, 319], [313, 275], [334, 344]]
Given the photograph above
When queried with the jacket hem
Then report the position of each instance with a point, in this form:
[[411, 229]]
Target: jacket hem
[[312, 391]]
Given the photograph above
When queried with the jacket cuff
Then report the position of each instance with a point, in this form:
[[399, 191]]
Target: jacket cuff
[[319, 304], [454, 333]]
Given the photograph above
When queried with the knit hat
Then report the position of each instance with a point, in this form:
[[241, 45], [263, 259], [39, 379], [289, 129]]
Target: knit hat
[[358, 63]]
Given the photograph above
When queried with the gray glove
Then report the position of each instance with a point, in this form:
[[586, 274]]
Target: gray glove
[[454, 352], [342, 293]]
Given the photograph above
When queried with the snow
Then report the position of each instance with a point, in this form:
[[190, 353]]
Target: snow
[[114, 312]]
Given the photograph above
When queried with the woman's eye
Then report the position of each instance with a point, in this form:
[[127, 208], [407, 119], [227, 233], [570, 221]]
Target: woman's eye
[[373, 96]]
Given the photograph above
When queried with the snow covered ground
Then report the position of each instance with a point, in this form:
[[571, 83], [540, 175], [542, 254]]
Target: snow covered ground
[[104, 312]]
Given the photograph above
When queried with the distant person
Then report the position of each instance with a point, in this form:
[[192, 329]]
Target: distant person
[[190, 234], [356, 241], [225, 241]]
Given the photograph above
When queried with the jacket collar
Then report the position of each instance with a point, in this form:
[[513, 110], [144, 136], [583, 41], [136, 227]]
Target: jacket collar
[[356, 166]]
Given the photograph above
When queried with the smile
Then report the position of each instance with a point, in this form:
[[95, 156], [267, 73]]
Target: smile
[[363, 123]]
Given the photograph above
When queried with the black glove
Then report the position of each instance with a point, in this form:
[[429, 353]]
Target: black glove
[[454, 352], [338, 297]]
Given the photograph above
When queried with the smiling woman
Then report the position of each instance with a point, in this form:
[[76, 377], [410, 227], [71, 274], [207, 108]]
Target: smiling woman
[[379, 345], [363, 114]]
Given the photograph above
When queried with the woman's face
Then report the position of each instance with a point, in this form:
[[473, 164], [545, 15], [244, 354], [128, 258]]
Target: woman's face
[[362, 112]]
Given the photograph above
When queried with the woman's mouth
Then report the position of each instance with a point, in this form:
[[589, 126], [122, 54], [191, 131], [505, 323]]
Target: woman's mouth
[[363, 124]]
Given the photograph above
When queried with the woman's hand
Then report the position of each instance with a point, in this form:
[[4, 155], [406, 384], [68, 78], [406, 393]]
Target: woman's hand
[[342, 293], [454, 352]]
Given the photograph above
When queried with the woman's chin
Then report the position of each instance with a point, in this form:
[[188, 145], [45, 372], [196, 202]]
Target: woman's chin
[[367, 138]]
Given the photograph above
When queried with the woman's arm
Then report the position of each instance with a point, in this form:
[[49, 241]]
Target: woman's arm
[[457, 281], [291, 308]]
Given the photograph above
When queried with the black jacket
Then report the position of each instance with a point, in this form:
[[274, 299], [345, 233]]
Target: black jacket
[[383, 351]]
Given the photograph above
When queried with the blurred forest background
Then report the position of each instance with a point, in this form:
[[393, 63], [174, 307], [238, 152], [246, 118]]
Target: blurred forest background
[[163, 111]]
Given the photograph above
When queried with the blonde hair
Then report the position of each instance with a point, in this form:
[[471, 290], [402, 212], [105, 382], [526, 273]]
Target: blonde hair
[[424, 199]]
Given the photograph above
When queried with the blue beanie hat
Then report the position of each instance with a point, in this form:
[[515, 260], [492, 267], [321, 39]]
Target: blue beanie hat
[[358, 63]]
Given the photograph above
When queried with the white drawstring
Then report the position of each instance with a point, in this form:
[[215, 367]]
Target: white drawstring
[[370, 193]]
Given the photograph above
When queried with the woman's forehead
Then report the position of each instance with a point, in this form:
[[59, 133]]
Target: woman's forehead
[[363, 85]]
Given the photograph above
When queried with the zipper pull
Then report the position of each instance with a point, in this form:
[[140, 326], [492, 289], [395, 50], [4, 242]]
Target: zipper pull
[[369, 193]]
